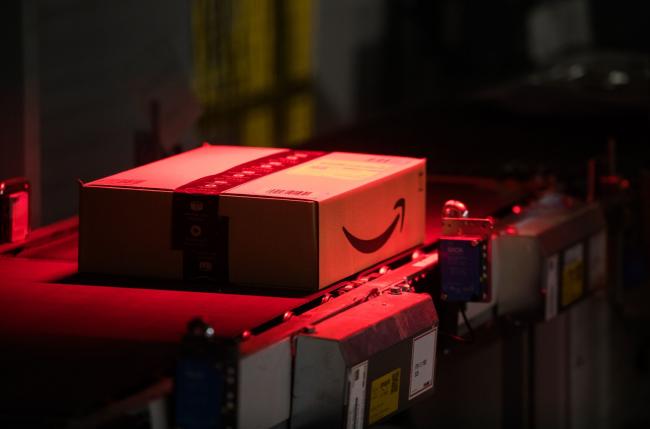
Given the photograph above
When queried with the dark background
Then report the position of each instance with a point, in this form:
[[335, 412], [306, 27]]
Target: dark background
[[504, 87], [507, 89]]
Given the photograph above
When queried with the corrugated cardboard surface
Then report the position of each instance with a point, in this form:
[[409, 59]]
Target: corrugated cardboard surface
[[127, 232], [175, 171], [286, 229], [272, 241], [367, 212]]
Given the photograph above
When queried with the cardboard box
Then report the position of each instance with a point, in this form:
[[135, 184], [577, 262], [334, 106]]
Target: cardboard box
[[255, 216]]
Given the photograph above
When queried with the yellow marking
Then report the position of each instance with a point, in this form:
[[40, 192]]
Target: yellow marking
[[572, 281], [384, 396]]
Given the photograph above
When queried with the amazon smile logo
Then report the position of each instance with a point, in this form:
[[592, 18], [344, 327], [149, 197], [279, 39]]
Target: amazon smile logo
[[371, 245]]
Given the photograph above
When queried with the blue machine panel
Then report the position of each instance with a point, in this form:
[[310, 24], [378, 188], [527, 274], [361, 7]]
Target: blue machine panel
[[198, 391], [463, 267]]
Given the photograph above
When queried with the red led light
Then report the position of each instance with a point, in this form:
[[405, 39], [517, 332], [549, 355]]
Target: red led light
[[516, 209], [511, 230]]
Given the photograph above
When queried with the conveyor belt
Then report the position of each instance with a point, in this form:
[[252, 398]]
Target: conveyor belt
[[72, 343], [43, 282], [41, 298], [69, 346]]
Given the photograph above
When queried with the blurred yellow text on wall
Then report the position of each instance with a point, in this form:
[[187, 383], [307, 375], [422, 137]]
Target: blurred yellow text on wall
[[253, 70]]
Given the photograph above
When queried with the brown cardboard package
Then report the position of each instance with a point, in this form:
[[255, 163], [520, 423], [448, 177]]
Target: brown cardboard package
[[255, 216]]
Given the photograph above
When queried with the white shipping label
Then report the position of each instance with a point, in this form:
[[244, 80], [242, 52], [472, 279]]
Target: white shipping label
[[357, 395], [343, 169], [597, 260], [551, 287], [423, 363]]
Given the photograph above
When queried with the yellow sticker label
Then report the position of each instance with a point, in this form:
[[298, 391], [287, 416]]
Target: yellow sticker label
[[384, 396], [340, 169], [572, 274]]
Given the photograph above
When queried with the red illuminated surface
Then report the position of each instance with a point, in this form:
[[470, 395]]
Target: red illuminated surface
[[35, 302], [511, 230], [71, 346], [38, 300]]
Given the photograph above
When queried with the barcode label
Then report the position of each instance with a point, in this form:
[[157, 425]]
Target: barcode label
[[394, 385], [357, 395], [289, 192], [552, 271]]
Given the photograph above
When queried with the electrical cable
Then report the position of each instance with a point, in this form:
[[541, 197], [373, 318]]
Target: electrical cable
[[460, 338], [468, 325]]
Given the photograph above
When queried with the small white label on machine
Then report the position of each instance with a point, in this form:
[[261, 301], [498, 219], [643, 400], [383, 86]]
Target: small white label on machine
[[597, 260], [550, 310], [357, 395], [423, 363]]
